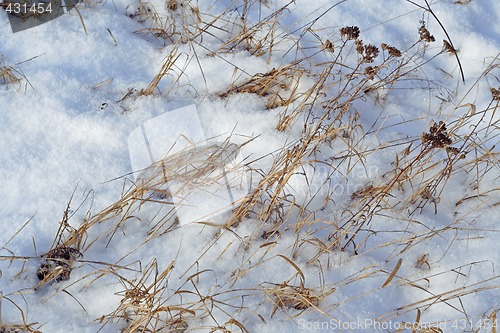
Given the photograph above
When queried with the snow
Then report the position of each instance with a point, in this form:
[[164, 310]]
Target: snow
[[64, 135]]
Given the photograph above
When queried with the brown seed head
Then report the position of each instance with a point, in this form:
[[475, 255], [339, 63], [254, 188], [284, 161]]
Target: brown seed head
[[425, 35], [371, 52], [447, 47], [495, 93], [370, 72], [438, 137], [359, 46], [394, 52], [350, 32], [328, 46]]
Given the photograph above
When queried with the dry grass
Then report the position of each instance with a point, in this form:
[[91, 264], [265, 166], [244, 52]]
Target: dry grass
[[320, 92], [9, 75], [165, 71], [16, 328], [177, 22], [143, 308], [58, 261], [279, 86]]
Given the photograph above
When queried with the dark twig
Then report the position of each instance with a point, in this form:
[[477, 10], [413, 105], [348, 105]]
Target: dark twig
[[445, 32]]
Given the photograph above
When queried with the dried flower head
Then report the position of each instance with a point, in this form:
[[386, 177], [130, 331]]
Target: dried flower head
[[447, 47], [495, 93], [425, 34], [359, 46], [58, 263], [172, 5], [370, 72], [393, 52], [371, 52], [453, 150], [328, 45], [438, 137], [350, 32]]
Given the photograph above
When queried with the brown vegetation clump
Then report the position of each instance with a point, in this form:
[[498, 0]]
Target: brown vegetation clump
[[350, 32], [495, 93], [393, 52], [57, 264], [438, 136], [425, 35]]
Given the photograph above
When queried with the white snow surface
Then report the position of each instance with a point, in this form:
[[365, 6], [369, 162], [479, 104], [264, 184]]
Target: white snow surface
[[61, 133]]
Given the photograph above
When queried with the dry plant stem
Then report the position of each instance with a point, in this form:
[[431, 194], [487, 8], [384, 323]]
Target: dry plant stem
[[271, 85], [12, 76], [167, 67], [379, 194], [65, 249], [429, 9], [315, 135], [24, 327]]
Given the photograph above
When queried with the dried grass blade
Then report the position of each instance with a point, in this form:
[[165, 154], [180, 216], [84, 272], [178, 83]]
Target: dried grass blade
[[393, 273]]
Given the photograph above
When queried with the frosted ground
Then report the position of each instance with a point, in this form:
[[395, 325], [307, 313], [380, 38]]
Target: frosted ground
[[361, 216]]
